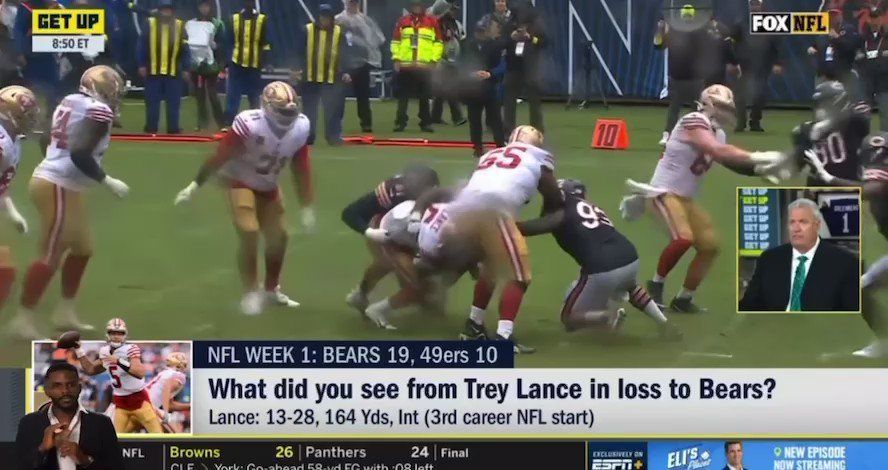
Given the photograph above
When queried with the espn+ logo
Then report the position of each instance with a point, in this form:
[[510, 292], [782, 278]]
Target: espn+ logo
[[789, 23], [615, 464]]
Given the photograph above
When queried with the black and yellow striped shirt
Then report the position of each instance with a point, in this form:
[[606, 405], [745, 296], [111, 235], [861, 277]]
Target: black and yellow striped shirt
[[322, 53], [250, 39], [166, 46]]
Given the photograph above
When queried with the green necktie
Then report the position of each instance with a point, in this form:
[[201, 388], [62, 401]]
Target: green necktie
[[798, 283]]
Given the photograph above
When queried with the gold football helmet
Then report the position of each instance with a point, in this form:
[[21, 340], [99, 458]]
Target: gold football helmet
[[18, 106], [115, 325], [281, 103], [717, 102], [104, 84], [177, 360], [527, 135]]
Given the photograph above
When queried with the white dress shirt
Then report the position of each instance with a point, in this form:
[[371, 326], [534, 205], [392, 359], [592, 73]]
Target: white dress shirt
[[795, 264], [731, 467], [68, 463]]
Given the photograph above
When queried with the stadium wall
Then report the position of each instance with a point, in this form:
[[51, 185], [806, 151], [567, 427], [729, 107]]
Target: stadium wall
[[617, 35]]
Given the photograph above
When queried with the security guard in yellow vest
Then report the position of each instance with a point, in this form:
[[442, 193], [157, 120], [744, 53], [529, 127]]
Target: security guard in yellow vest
[[417, 47], [319, 70], [248, 43], [163, 63]]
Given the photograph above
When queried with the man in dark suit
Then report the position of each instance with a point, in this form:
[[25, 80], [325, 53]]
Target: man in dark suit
[[805, 274], [63, 435], [734, 455]]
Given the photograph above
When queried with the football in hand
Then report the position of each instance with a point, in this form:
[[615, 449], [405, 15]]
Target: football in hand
[[68, 339]]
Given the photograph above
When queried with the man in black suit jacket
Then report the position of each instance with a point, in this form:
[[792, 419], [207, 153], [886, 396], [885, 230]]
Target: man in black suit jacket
[[806, 274], [734, 455], [63, 435]]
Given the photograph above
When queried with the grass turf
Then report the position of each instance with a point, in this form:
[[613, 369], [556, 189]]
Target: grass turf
[[170, 271]]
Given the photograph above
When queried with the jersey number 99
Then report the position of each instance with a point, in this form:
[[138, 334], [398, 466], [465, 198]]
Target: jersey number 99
[[592, 216]]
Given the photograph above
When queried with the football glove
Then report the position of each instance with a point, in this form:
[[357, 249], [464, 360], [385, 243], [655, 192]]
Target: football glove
[[119, 188], [415, 222], [377, 235], [20, 223], [813, 160], [186, 194], [308, 218], [772, 166]]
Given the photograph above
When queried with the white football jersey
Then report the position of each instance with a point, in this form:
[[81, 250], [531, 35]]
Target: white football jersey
[[396, 222], [434, 222], [681, 167], [266, 152], [158, 383], [10, 154], [68, 122], [122, 383], [505, 178]]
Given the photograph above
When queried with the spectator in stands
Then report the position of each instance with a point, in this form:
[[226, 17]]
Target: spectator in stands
[[481, 56], [163, 66], [758, 57], [685, 68], [525, 39], [365, 39], [8, 66], [453, 34], [321, 74], [416, 49], [835, 54], [205, 36], [501, 15], [874, 64], [248, 43]]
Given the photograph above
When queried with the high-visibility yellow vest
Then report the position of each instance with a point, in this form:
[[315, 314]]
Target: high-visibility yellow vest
[[249, 36], [165, 42], [418, 45], [322, 53]]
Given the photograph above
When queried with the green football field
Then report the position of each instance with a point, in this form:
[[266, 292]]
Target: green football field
[[170, 271]]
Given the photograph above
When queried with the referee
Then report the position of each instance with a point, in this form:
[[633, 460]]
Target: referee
[[248, 42], [163, 61]]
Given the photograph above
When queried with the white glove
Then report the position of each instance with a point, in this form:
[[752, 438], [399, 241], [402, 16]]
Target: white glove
[[377, 235], [813, 160], [415, 223], [185, 194], [119, 188], [772, 166], [767, 158], [20, 223], [308, 218]]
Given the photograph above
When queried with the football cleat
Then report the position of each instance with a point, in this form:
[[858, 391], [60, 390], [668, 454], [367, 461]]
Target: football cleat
[[473, 331], [376, 314], [517, 347], [65, 318], [22, 327], [357, 300], [253, 302], [878, 349], [277, 297], [655, 290], [18, 106], [685, 305], [104, 84]]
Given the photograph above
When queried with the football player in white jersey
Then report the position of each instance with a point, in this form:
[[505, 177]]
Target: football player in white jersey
[[81, 130], [697, 141], [164, 387], [18, 116], [483, 226], [123, 361], [250, 159]]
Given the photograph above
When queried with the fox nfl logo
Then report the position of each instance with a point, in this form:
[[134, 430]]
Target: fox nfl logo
[[789, 23]]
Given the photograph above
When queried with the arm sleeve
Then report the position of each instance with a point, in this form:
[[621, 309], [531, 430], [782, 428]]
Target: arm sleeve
[[301, 166], [360, 213], [98, 121], [541, 225]]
